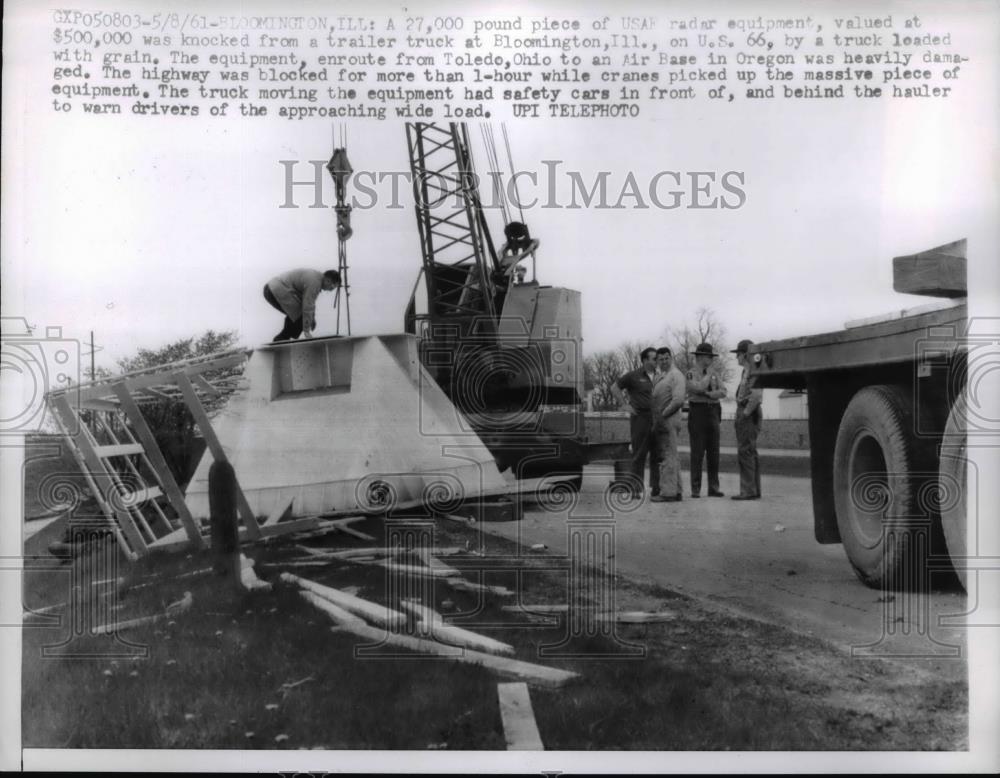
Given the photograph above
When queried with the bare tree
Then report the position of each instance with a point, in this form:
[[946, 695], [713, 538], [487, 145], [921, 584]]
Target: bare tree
[[170, 421], [602, 370], [629, 353], [705, 328]]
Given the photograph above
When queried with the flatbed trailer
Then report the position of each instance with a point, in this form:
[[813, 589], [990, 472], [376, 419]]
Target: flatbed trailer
[[887, 426]]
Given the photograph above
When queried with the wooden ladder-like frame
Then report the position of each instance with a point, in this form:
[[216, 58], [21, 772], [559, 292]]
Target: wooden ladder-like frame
[[124, 467]]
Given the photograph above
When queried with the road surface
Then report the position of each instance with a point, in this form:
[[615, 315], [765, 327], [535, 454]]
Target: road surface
[[760, 559]]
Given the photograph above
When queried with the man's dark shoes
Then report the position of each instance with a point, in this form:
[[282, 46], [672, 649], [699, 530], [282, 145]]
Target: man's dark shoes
[[663, 498], [746, 497], [716, 494]]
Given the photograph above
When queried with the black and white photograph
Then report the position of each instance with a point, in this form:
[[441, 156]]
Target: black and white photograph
[[393, 388]]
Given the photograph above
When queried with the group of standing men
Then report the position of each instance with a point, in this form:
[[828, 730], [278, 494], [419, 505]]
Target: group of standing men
[[654, 395]]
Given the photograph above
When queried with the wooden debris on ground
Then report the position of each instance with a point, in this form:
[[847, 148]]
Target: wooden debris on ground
[[637, 617], [249, 578], [537, 675], [382, 615], [535, 608], [431, 572], [373, 551], [519, 728], [432, 623], [326, 526], [468, 586], [460, 519], [339, 615]]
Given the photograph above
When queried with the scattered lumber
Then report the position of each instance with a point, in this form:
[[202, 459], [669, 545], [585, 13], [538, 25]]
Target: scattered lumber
[[326, 526], [382, 615], [297, 563], [433, 624], [335, 612], [519, 727], [467, 586], [249, 578], [459, 519], [432, 572], [537, 675], [535, 608], [637, 617], [172, 610]]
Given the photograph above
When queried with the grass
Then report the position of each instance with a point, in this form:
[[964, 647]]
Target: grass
[[218, 672]]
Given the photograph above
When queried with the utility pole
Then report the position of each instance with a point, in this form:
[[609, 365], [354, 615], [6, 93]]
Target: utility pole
[[93, 371]]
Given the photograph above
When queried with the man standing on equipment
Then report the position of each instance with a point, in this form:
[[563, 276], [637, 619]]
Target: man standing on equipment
[[294, 294], [704, 390], [639, 385], [747, 423]]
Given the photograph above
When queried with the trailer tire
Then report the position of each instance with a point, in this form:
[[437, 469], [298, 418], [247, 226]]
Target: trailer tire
[[878, 493], [952, 485]]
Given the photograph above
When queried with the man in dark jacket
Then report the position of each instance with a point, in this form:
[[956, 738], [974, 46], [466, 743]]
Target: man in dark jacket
[[638, 385], [704, 390]]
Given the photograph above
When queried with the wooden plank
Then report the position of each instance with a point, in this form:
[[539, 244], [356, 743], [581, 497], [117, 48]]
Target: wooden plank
[[100, 477], [94, 404], [134, 499], [468, 586], [161, 395], [159, 465], [423, 572], [435, 627], [119, 450], [519, 727], [636, 617], [536, 608], [153, 378], [341, 526], [382, 615], [212, 441], [205, 386], [537, 675], [178, 536], [940, 272], [249, 579], [284, 528], [283, 511], [335, 612]]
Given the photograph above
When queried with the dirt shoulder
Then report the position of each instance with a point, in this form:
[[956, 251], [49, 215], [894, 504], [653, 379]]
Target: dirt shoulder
[[266, 670]]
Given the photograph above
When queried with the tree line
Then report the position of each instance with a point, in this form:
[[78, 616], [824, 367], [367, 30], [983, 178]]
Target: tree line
[[603, 368]]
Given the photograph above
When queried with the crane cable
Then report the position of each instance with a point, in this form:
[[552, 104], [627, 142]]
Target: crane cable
[[495, 172], [513, 174]]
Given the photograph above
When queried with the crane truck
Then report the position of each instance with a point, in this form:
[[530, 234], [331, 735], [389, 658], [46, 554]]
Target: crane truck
[[505, 349], [887, 425]]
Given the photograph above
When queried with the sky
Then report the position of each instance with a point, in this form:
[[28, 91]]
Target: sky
[[148, 230]]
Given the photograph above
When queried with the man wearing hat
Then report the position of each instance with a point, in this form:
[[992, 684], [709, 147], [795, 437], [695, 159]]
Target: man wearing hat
[[704, 390], [747, 421]]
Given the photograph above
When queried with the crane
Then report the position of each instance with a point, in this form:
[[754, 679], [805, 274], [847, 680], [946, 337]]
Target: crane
[[506, 350]]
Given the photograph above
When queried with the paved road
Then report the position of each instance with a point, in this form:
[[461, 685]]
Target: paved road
[[759, 558]]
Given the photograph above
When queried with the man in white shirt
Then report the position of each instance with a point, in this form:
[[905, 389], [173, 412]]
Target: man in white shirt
[[294, 294]]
